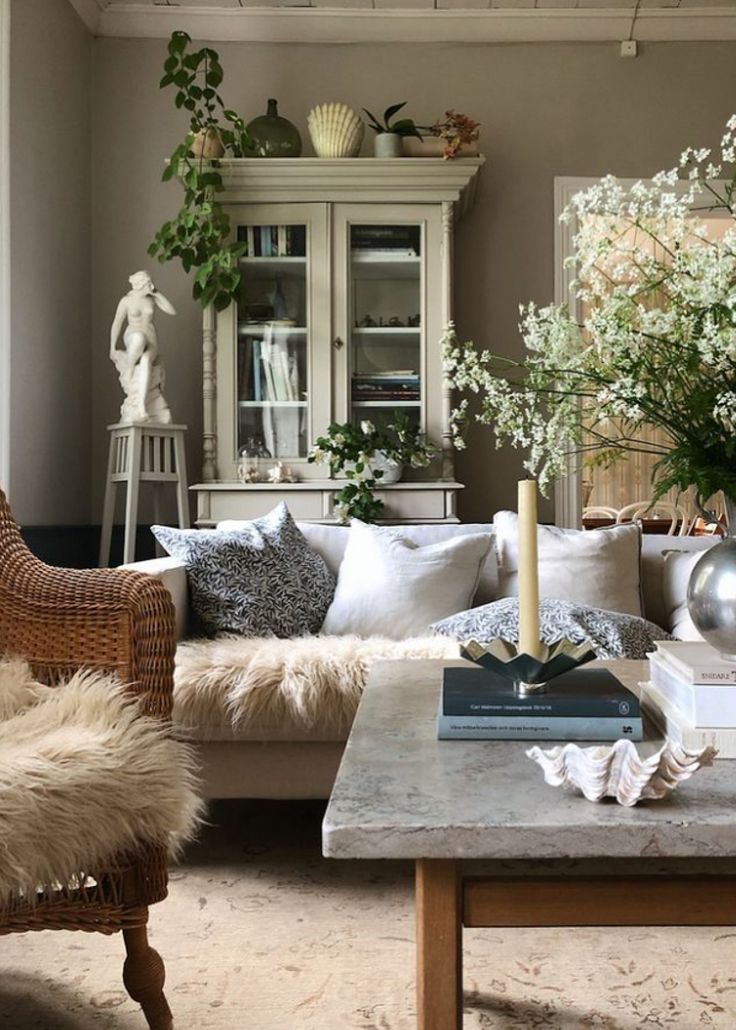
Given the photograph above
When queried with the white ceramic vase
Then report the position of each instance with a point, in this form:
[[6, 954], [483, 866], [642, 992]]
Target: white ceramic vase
[[392, 470]]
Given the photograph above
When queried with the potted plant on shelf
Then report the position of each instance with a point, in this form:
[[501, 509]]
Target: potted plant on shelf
[[369, 458], [198, 235], [390, 135], [452, 136]]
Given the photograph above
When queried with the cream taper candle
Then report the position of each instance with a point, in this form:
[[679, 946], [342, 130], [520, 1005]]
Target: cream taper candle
[[528, 572]]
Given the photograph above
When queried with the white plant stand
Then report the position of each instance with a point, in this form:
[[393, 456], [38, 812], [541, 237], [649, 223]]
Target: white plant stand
[[142, 452]]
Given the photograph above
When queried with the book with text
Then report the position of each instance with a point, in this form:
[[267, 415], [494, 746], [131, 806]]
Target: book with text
[[696, 661], [702, 704], [580, 693], [675, 727]]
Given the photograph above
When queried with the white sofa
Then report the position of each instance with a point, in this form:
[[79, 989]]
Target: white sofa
[[289, 763]]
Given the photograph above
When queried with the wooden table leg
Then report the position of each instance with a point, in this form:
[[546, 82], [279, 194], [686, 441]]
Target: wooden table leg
[[439, 945]]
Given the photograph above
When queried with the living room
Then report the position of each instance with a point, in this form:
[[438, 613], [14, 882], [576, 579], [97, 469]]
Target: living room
[[267, 922]]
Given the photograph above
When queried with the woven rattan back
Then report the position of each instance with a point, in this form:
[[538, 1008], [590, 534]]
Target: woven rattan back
[[61, 619]]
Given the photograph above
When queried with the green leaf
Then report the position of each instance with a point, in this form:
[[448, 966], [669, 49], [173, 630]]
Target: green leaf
[[392, 110], [375, 124], [178, 42]]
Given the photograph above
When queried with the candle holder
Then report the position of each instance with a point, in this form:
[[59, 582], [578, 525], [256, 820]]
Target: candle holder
[[530, 675]]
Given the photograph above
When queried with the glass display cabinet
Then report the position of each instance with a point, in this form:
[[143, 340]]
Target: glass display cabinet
[[345, 292]]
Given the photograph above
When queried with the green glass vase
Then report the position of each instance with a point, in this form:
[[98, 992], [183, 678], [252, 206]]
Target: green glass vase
[[274, 136]]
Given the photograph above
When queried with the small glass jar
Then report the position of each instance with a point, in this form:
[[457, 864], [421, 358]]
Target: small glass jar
[[254, 458]]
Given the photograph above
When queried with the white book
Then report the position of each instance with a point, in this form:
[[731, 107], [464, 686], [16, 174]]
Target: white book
[[676, 728], [696, 661], [282, 248], [703, 704]]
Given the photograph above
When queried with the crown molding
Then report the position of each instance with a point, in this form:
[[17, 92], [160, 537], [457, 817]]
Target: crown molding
[[90, 12], [329, 25]]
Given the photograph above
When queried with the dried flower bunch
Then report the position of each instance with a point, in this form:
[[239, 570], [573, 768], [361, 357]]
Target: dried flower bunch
[[656, 345], [455, 129]]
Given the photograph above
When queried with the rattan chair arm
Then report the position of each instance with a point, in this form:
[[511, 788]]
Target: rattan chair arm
[[63, 619]]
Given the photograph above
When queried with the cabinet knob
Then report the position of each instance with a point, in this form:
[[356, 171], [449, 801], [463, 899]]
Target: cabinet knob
[[338, 343]]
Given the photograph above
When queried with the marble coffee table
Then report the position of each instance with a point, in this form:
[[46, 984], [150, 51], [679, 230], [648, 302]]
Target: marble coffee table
[[401, 793]]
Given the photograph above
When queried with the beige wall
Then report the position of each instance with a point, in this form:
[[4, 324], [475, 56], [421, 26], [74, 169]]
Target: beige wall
[[50, 85], [546, 110]]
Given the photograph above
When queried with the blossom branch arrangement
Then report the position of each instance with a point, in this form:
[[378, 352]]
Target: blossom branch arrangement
[[358, 452], [655, 347], [455, 129]]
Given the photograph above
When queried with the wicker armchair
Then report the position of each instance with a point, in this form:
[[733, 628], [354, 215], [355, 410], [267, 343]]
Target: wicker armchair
[[122, 622]]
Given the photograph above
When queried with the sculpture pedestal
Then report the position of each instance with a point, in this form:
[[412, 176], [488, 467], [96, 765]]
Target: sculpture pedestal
[[142, 452]]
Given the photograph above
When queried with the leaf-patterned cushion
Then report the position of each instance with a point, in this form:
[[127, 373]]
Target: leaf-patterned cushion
[[612, 634], [260, 580]]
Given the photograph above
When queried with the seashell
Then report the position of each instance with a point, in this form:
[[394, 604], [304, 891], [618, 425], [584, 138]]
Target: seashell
[[335, 130], [619, 771]]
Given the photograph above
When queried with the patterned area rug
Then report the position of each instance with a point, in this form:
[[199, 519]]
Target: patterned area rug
[[262, 933]]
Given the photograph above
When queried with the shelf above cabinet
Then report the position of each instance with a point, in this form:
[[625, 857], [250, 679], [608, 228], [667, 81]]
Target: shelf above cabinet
[[369, 180]]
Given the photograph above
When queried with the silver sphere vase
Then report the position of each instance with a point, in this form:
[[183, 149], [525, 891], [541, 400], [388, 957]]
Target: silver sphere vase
[[711, 593]]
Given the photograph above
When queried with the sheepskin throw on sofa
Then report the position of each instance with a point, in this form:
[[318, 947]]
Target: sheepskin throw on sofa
[[235, 681], [83, 777]]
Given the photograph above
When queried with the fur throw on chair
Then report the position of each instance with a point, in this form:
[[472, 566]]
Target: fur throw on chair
[[84, 777], [233, 681]]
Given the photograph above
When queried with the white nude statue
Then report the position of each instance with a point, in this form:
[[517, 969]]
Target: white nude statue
[[138, 361]]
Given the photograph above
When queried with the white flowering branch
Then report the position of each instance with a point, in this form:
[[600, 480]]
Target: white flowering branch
[[656, 346]]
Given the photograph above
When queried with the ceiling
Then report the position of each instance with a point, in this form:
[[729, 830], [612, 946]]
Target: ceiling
[[229, 5], [404, 21]]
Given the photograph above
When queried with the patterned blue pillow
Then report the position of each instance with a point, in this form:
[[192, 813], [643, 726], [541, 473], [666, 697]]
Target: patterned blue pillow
[[259, 581], [612, 634]]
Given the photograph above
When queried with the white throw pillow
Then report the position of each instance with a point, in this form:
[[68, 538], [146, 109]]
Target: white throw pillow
[[388, 586], [597, 567], [676, 572]]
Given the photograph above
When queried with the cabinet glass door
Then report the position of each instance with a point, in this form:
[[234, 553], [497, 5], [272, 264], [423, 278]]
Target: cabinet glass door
[[272, 352], [385, 321]]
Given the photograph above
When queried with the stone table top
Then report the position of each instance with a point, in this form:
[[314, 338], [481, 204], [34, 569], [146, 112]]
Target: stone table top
[[401, 793]]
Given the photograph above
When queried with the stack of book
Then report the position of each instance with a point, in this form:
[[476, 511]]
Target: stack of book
[[396, 239], [273, 240], [691, 695], [584, 704], [386, 386]]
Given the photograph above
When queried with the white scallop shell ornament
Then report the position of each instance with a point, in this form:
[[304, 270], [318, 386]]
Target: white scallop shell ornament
[[335, 130], [619, 772]]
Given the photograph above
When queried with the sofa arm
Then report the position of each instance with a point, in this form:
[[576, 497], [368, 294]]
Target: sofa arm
[[173, 575]]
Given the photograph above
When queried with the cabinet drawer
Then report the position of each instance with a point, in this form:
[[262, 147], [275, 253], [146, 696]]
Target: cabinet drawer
[[413, 504], [304, 505]]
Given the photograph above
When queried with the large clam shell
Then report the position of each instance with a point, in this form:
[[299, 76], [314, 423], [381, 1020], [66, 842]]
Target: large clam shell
[[335, 130], [619, 771]]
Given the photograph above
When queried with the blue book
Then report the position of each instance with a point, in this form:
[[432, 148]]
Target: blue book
[[582, 693], [265, 241], [256, 370]]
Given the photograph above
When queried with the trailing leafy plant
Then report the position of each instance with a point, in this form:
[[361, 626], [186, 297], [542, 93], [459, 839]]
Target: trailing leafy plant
[[356, 452], [198, 235], [403, 127]]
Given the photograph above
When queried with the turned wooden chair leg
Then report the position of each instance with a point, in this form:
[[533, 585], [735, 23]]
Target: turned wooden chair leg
[[143, 976]]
